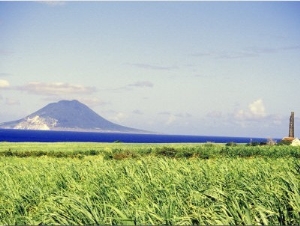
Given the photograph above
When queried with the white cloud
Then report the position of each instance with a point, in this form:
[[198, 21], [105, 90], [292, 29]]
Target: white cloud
[[256, 110], [138, 84], [253, 117], [4, 83], [277, 119], [142, 84], [56, 88], [178, 118], [245, 53]]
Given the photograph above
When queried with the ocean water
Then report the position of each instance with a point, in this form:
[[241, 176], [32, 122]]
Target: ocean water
[[67, 136]]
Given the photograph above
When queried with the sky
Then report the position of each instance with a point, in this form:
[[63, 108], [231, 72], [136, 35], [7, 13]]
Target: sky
[[191, 68]]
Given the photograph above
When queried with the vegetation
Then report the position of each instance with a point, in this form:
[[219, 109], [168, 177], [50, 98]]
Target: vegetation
[[120, 151], [116, 183]]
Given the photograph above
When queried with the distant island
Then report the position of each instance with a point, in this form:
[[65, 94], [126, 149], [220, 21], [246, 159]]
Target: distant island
[[67, 116]]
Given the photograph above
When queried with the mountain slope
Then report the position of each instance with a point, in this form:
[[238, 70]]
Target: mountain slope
[[67, 115]]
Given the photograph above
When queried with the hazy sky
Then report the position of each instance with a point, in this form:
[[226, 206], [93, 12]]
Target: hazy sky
[[201, 68]]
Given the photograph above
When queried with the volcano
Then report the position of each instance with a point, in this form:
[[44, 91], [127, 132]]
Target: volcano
[[67, 116]]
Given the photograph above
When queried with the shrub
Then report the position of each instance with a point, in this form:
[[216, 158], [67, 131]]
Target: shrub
[[93, 152], [253, 143], [285, 142], [166, 151], [124, 155], [231, 144]]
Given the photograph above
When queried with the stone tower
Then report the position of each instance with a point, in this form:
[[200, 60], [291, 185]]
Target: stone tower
[[291, 127]]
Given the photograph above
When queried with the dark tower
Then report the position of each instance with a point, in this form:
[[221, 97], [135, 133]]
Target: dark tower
[[291, 128]]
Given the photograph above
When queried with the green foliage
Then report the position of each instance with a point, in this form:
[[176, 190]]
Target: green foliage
[[142, 184], [253, 144], [285, 142], [124, 151], [166, 151], [231, 144]]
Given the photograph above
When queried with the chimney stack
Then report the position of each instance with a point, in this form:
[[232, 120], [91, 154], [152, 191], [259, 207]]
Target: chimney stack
[[291, 128]]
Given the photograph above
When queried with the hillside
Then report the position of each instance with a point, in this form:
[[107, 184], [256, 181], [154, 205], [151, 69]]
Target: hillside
[[67, 116]]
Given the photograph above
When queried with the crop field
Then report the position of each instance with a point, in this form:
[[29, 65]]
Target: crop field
[[148, 184]]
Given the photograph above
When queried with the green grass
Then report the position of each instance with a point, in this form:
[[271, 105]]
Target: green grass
[[180, 184]]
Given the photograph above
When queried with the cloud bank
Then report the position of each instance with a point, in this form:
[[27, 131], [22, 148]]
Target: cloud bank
[[142, 84], [245, 53], [132, 86], [55, 89], [255, 115]]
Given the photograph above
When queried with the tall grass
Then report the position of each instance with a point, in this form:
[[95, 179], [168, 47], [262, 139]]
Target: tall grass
[[153, 187]]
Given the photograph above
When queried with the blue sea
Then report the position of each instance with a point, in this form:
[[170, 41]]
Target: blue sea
[[11, 135]]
